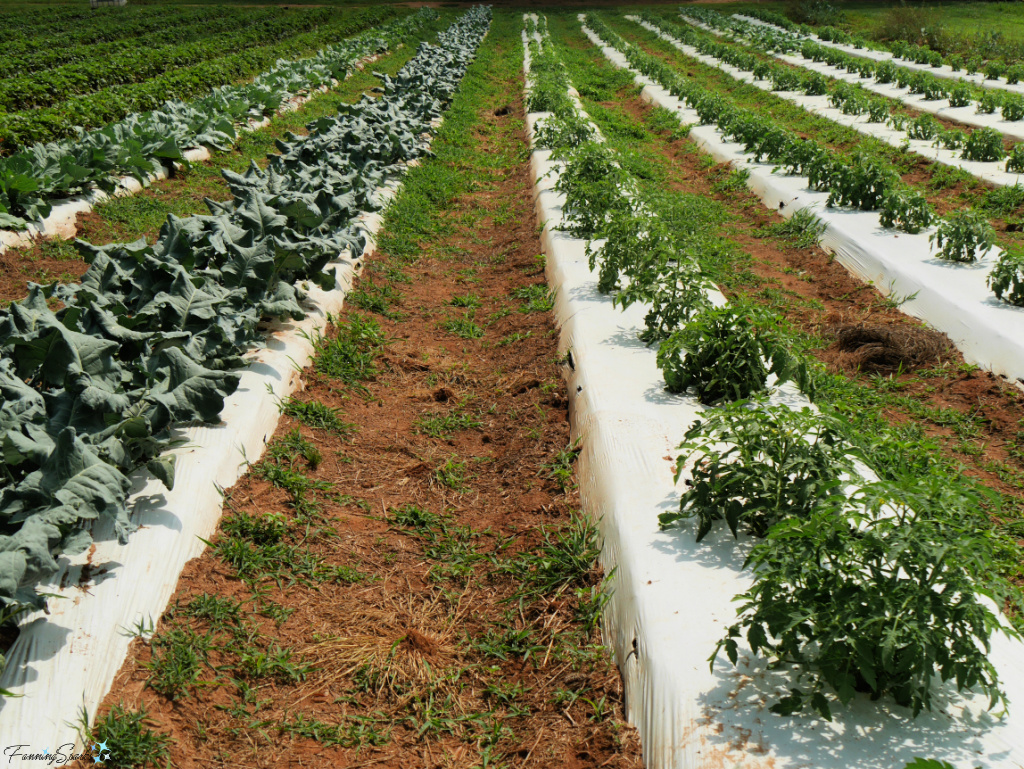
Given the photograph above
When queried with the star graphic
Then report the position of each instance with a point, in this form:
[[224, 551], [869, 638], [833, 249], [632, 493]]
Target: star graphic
[[46, 751], [96, 759], [100, 746]]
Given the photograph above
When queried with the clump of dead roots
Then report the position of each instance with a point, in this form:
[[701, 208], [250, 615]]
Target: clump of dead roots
[[862, 347]]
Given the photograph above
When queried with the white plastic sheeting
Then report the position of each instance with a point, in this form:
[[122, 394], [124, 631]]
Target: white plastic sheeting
[[672, 598], [63, 216], [953, 298], [968, 115], [945, 71], [68, 659]]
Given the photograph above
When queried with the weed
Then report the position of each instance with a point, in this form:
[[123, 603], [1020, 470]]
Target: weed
[[453, 475], [218, 611], [463, 328], [508, 643], [375, 298], [535, 298], [131, 741], [261, 529], [444, 425], [177, 657], [471, 301], [292, 445], [355, 732], [564, 559], [560, 469], [803, 229], [351, 355], [274, 662], [518, 336], [318, 416]]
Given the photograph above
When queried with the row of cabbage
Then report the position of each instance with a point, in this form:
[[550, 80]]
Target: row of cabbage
[[992, 69], [141, 144], [152, 334], [860, 181], [98, 108], [983, 145], [883, 576]]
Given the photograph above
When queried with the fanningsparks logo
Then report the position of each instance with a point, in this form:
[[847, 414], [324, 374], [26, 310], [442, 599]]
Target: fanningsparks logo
[[30, 755]]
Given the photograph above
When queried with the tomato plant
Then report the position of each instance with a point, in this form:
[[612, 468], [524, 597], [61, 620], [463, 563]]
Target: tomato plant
[[963, 237], [724, 354], [758, 464], [1007, 277]]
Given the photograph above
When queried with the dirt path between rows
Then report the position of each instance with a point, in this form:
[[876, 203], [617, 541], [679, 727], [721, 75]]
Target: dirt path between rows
[[411, 585]]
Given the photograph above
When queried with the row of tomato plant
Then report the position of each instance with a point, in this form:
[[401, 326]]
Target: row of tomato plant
[[99, 108], [861, 182], [140, 145], [864, 585], [58, 84], [153, 334], [982, 145], [189, 28], [28, 32], [992, 69]]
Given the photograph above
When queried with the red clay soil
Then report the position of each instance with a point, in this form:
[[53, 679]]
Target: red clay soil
[[421, 648]]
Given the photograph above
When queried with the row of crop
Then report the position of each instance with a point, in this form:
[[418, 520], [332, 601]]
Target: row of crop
[[141, 63], [188, 29], [860, 181], [980, 145], [58, 17], [900, 49], [37, 35], [137, 146], [884, 576], [930, 87], [99, 108], [150, 336]]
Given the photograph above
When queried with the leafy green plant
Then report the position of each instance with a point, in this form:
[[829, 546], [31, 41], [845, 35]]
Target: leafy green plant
[[566, 130], [983, 144], [886, 587], [1007, 277], [960, 95], [905, 209], [989, 102], [963, 237], [758, 464], [1004, 200], [1015, 160], [1013, 107], [723, 355], [593, 185]]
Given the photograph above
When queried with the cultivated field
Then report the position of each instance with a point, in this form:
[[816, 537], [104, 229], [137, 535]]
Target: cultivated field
[[480, 386]]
